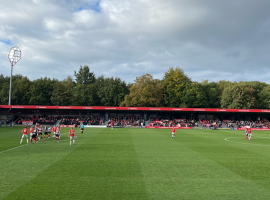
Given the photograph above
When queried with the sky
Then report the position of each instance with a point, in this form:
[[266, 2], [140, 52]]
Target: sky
[[208, 39]]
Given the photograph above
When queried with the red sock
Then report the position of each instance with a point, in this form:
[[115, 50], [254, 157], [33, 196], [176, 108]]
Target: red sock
[[31, 140], [41, 137], [57, 139]]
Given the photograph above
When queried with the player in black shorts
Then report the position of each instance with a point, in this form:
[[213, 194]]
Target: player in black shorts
[[57, 135], [39, 132], [45, 132], [33, 136], [49, 131]]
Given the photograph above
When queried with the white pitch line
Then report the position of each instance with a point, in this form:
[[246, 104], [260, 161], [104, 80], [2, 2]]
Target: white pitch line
[[13, 148], [21, 146], [227, 139]]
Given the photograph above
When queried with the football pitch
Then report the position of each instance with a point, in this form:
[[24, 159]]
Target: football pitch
[[136, 164]]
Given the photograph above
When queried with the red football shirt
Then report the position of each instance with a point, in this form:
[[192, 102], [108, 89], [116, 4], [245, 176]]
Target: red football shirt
[[25, 130], [173, 130], [71, 132], [54, 129], [31, 130]]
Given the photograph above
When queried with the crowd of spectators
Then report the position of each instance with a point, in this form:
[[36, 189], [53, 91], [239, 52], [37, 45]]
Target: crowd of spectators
[[138, 121], [86, 120], [210, 123], [34, 119], [126, 121], [176, 122], [245, 123]]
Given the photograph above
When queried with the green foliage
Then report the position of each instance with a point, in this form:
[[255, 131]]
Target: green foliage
[[238, 96], [111, 91], [258, 87], [85, 95], [62, 94], [174, 82], [174, 90], [213, 94], [20, 90], [264, 98], [4, 89], [146, 91], [84, 76], [41, 91], [194, 96]]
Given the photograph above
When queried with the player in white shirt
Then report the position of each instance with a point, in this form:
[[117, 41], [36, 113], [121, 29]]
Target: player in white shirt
[[49, 131]]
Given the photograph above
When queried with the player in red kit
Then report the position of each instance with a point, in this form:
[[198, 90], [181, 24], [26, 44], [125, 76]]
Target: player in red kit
[[173, 132], [33, 136], [24, 131], [54, 130], [31, 130], [249, 133], [57, 134], [112, 125], [72, 136]]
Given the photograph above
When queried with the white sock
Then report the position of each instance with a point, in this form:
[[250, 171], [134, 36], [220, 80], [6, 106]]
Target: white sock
[[73, 141], [21, 141], [70, 142], [27, 141], [38, 138], [59, 136]]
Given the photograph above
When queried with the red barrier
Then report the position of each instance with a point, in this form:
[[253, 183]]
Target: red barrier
[[67, 125], [168, 127], [135, 108], [255, 129]]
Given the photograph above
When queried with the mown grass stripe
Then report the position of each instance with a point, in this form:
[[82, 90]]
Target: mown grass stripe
[[173, 170], [103, 167]]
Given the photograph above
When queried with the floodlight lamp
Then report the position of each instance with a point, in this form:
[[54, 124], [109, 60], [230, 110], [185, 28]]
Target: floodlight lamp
[[14, 55]]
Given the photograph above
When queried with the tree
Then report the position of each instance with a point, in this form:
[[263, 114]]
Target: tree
[[264, 98], [85, 95], [174, 82], [258, 87], [213, 93], [194, 96], [41, 91], [111, 91], [4, 89], [238, 96], [145, 91], [62, 94], [20, 90], [84, 76]]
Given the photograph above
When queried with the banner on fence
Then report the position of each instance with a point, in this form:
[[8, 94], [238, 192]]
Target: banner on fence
[[67, 125], [30, 123], [256, 129], [168, 127]]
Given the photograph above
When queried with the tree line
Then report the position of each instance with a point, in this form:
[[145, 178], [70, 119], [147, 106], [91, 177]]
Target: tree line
[[175, 89]]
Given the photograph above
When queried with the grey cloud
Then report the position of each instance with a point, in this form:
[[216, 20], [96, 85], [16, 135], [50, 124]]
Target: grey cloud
[[212, 40]]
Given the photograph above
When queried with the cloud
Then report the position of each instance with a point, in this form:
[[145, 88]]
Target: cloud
[[214, 40]]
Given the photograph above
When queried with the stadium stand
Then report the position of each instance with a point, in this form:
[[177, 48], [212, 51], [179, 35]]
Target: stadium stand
[[86, 120]]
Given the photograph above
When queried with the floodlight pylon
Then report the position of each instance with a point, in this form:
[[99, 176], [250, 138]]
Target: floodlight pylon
[[14, 56]]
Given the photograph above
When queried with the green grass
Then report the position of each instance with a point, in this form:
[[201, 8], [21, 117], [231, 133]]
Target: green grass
[[136, 164]]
